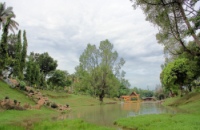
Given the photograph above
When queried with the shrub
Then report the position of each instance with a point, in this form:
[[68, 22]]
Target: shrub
[[6, 97], [54, 105], [48, 104], [22, 85], [15, 102]]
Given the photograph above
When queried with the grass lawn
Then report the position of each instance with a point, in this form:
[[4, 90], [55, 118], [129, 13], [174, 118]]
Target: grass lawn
[[75, 124], [182, 121]]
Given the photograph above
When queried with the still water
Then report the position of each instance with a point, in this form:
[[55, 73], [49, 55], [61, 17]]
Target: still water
[[106, 114]]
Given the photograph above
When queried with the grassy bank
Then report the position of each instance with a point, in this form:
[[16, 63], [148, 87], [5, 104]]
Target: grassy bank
[[42, 119], [189, 120], [14, 94], [72, 99], [189, 103]]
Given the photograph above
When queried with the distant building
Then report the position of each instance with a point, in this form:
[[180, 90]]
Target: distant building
[[132, 97], [149, 99]]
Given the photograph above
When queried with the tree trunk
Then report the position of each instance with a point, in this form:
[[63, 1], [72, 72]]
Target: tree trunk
[[188, 25], [101, 96], [190, 88], [181, 90]]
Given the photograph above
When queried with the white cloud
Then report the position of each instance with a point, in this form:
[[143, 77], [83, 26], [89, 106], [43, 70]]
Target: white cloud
[[63, 28]]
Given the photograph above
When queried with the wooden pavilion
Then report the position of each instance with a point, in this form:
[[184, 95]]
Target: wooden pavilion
[[132, 97]]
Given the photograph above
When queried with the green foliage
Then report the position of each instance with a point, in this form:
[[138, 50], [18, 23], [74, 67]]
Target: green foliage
[[7, 14], [59, 78], [123, 90], [178, 73], [175, 26], [142, 92], [4, 48], [23, 52], [54, 105], [173, 22], [22, 85], [38, 66], [98, 72], [46, 63], [33, 72], [17, 65]]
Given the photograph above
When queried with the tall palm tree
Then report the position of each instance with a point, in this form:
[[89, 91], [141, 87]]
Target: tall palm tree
[[5, 14]]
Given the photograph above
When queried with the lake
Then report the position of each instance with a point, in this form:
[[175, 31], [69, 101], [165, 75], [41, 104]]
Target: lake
[[106, 114]]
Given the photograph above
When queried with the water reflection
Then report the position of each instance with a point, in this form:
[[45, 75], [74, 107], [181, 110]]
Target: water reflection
[[131, 106], [106, 114]]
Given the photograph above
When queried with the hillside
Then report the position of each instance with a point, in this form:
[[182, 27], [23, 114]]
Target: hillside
[[189, 102], [14, 94]]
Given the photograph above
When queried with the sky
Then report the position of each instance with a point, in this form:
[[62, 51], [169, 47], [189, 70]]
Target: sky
[[63, 28]]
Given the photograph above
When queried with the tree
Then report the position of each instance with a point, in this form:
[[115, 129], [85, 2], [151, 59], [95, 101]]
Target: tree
[[59, 78], [98, 70], [177, 74], [23, 52], [172, 19], [18, 48], [5, 15], [4, 48], [16, 55], [46, 63], [43, 65], [32, 75]]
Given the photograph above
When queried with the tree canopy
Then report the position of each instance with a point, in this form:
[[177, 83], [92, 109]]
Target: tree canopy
[[99, 69]]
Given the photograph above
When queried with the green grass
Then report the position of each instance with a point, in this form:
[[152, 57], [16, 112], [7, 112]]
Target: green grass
[[22, 120], [11, 127], [188, 120], [76, 124], [72, 99], [189, 103], [161, 122], [13, 94], [42, 119]]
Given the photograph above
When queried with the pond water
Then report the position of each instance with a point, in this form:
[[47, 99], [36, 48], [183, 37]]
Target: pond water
[[106, 114]]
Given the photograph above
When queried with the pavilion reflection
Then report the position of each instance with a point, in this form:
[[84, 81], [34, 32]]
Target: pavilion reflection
[[129, 106]]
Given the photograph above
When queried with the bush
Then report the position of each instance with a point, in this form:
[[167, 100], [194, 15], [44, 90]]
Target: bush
[[6, 97], [48, 104], [54, 105], [15, 102], [22, 85]]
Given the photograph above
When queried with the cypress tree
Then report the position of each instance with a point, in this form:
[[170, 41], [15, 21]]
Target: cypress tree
[[18, 50], [24, 52], [4, 47]]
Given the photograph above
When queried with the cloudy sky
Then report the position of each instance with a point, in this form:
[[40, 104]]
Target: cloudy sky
[[63, 28]]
